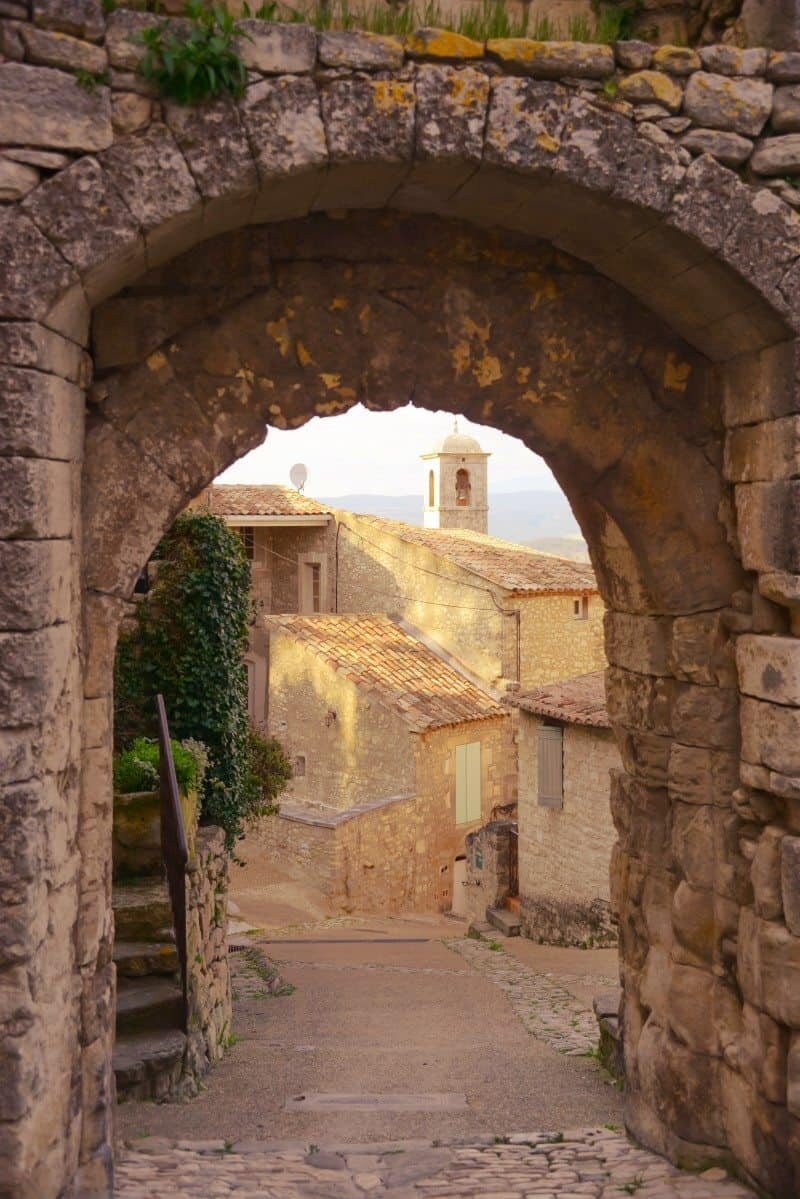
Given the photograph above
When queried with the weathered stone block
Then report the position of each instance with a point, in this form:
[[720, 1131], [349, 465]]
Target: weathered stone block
[[786, 110], [790, 883], [769, 525], [277, 49], [719, 102], [35, 498], [360, 50], [760, 386], [699, 650], [769, 668], [760, 1053], [442, 44], [765, 874], [124, 37], [730, 60], [130, 112], [633, 55], [369, 120], [553, 60], [784, 66], [212, 138], [638, 643], [693, 843], [284, 123], [16, 179], [694, 924], [24, 343], [777, 156], [763, 452], [703, 1011], [33, 669], [676, 60], [42, 415], [731, 149], [451, 112], [62, 51], [771, 735], [82, 213], [81, 18], [35, 278], [43, 107], [706, 716], [639, 701], [652, 87]]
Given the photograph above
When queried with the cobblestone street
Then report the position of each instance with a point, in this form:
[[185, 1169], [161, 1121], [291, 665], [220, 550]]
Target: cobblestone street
[[399, 1006], [590, 1164], [548, 1011]]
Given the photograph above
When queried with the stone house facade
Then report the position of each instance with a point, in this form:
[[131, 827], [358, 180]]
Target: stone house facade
[[506, 613], [566, 834], [289, 541], [397, 758]]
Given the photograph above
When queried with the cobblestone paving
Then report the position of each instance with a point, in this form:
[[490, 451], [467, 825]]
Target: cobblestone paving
[[580, 1164], [548, 1011], [254, 975], [380, 966]]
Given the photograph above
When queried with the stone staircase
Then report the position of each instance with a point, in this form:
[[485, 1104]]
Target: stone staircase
[[504, 921], [150, 1043]]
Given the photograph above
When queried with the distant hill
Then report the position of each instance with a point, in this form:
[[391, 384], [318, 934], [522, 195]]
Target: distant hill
[[528, 517]]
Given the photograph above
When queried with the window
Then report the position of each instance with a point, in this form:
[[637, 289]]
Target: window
[[431, 490], [462, 487], [299, 766], [580, 608], [550, 760], [247, 534], [468, 782], [311, 584]]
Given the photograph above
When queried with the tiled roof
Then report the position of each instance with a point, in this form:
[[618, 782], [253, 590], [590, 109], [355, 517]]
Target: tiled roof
[[581, 700], [516, 568], [263, 499], [397, 670]]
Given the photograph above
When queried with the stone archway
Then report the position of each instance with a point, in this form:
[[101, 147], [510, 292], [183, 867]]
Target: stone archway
[[670, 420]]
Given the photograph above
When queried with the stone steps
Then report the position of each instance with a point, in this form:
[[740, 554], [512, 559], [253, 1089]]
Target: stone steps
[[507, 923], [142, 911], [149, 1065], [148, 1004], [138, 959]]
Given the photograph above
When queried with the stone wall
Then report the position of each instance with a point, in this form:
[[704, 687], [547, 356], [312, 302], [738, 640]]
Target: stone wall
[[492, 860], [354, 747], [393, 854], [565, 853], [471, 619], [554, 644], [210, 1011]]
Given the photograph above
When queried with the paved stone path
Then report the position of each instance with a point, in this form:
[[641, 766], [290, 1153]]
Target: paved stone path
[[548, 1011], [580, 1164]]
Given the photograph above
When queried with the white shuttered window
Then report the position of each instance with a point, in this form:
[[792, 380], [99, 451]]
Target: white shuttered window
[[551, 766], [468, 782]]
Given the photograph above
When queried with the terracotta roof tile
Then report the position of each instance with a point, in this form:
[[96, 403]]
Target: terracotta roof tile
[[265, 499], [391, 665], [516, 568], [581, 700]]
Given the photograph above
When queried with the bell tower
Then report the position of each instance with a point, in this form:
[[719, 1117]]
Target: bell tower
[[456, 484]]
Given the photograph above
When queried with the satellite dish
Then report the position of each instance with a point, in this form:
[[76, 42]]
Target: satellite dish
[[298, 475]]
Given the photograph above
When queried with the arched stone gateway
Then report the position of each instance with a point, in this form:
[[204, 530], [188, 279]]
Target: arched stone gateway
[[538, 260]]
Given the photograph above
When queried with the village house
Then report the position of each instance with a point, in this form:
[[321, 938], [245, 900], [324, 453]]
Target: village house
[[565, 832], [397, 758], [289, 541], [509, 614]]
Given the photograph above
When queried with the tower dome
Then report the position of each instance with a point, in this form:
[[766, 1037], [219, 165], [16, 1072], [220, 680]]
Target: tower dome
[[456, 443]]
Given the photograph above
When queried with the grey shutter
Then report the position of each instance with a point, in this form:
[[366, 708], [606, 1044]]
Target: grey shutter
[[551, 766]]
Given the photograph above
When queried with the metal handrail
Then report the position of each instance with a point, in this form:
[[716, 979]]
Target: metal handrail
[[174, 847]]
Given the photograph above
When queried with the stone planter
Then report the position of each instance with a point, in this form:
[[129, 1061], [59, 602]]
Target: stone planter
[[137, 831]]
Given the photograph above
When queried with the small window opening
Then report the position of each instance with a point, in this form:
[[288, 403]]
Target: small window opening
[[299, 766], [580, 608], [315, 585], [247, 535], [463, 487], [431, 490]]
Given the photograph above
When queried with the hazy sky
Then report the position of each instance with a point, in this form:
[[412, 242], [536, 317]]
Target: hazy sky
[[378, 453]]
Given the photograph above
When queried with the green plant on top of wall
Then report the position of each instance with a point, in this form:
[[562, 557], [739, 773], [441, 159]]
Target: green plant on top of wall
[[187, 641], [136, 768], [197, 64]]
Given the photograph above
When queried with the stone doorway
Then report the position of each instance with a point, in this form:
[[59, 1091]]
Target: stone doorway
[[459, 906], [235, 280]]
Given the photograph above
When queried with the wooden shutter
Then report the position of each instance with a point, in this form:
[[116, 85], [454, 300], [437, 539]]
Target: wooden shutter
[[551, 766], [473, 780], [461, 784], [468, 782]]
